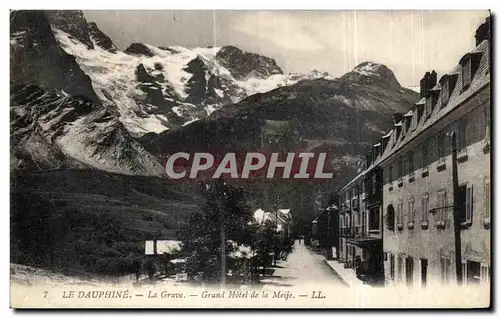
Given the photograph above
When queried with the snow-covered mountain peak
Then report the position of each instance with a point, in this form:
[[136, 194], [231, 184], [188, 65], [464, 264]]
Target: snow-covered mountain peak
[[158, 88], [372, 73], [166, 87], [368, 69]]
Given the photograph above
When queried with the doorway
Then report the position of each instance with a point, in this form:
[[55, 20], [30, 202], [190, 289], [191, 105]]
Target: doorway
[[423, 271], [409, 271]]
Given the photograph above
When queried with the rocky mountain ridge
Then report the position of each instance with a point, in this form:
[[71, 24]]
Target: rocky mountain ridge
[[188, 84]]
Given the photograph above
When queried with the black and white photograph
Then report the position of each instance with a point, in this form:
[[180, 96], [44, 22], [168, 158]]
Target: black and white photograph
[[250, 159]]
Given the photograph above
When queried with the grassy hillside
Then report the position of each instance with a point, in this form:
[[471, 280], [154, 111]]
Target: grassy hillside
[[92, 220]]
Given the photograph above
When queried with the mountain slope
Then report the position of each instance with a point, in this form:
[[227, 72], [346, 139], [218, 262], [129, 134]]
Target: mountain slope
[[160, 88], [36, 57], [53, 130], [342, 117]]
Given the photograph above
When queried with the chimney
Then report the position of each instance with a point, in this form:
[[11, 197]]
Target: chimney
[[426, 83], [483, 32], [397, 117], [433, 79]]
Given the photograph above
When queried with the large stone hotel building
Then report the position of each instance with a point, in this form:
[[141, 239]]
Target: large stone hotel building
[[397, 217]]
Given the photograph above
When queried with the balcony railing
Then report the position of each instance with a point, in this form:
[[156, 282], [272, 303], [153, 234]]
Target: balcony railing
[[441, 215], [347, 232]]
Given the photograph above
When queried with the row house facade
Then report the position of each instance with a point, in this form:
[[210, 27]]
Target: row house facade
[[323, 230], [360, 229], [409, 183]]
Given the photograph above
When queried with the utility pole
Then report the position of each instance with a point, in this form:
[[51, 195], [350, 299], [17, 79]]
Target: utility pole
[[219, 192], [275, 242], [456, 210], [223, 254]]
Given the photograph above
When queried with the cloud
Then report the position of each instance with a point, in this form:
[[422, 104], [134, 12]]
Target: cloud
[[408, 42], [287, 31]]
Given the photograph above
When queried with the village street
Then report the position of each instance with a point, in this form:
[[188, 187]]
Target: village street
[[303, 267]]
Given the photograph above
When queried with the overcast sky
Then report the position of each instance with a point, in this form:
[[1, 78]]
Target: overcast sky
[[408, 42]]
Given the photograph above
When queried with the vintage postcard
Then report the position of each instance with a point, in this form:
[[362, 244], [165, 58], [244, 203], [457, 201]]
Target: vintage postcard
[[250, 159]]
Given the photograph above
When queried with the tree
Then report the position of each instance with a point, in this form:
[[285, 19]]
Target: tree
[[264, 244], [224, 216]]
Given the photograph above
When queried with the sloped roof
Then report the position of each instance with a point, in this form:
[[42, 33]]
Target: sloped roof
[[480, 80]]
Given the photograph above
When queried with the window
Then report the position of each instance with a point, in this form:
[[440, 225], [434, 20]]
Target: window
[[390, 174], [374, 221], [445, 92], [430, 103], [411, 164], [399, 215], [442, 208], [420, 112], [390, 218], [374, 183], [445, 270], [425, 156], [411, 210], [462, 202], [424, 206], [487, 121], [462, 134], [465, 204], [400, 168], [469, 204], [466, 74], [440, 145]]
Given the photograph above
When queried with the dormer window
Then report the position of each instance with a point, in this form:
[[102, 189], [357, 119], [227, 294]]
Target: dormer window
[[398, 130], [407, 120], [447, 86], [470, 64], [420, 112], [466, 73], [431, 102], [445, 92]]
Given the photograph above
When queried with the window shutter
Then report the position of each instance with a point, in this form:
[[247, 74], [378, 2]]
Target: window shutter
[[487, 198], [401, 218], [422, 209], [469, 202], [425, 208], [398, 214], [438, 205], [444, 210]]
